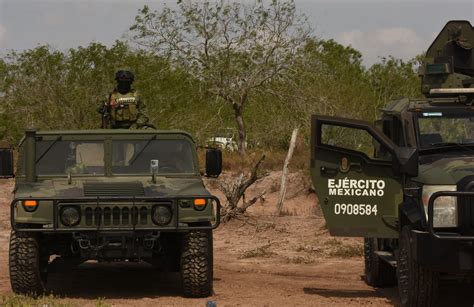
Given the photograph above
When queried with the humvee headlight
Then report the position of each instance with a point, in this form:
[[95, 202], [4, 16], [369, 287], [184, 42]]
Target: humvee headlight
[[30, 205], [161, 215], [70, 215], [445, 209], [200, 204]]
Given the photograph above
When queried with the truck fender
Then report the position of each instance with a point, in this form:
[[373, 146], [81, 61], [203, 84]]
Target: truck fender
[[412, 213]]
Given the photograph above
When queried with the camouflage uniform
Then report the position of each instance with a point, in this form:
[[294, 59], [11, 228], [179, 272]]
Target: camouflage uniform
[[123, 108], [126, 111]]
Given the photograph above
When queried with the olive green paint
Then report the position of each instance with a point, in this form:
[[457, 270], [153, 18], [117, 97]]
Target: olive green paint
[[169, 186], [453, 49]]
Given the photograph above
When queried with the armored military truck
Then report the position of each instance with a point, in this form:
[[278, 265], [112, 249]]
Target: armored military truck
[[406, 183], [111, 195]]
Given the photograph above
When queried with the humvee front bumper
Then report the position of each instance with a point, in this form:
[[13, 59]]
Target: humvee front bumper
[[115, 214], [448, 256], [443, 251]]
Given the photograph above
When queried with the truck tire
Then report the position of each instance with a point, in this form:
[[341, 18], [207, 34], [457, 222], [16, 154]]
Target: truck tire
[[417, 285], [378, 273], [27, 274], [197, 263]]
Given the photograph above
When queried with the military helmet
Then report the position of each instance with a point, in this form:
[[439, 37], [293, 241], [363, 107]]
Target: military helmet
[[124, 75]]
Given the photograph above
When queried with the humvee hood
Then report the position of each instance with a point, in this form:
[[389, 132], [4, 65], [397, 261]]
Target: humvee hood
[[447, 170], [132, 186]]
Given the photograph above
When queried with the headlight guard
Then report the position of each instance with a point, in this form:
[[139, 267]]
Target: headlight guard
[[445, 210]]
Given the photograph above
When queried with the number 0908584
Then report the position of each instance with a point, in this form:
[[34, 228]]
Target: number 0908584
[[355, 209]]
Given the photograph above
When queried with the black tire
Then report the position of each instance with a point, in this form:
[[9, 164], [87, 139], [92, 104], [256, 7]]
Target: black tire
[[27, 267], [417, 285], [197, 263], [378, 273]]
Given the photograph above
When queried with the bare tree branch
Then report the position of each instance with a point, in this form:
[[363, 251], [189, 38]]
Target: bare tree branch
[[234, 190], [233, 48]]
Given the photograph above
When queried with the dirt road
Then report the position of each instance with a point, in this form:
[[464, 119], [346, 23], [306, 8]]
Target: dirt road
[[287, 261]]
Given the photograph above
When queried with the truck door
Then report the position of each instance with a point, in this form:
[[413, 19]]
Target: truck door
[[352, 172]]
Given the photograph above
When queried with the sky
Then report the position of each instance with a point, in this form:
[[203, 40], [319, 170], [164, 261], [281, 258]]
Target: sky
[[377, 28]]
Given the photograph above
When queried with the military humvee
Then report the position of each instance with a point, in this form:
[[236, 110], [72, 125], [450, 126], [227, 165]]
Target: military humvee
[[111, 195], [406, 183]]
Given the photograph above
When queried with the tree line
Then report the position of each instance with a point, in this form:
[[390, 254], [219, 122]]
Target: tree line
[[204, 66]]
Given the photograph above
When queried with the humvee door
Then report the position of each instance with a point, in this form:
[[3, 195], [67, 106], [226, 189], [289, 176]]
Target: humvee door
[[352, 172]]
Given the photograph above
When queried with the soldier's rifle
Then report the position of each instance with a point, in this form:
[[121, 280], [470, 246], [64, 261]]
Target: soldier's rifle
[[106, 114]]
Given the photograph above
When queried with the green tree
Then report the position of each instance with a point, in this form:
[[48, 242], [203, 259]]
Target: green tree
[[232, 48], [49, 89], [329, 79], [393, 78]]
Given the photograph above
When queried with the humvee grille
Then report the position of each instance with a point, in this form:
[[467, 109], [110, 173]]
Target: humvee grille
[[119, 215], [114, 189], [116, 216]]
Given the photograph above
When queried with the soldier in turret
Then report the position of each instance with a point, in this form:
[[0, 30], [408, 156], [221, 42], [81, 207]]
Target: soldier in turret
[[123, 108]]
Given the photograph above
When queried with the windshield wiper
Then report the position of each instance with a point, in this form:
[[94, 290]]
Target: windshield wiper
[[142, 150], [47, 149]]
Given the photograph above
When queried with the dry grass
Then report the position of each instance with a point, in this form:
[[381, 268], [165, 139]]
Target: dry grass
[[299, 260], [261, 252], [233, 161], [333, 242], [331, 248], [289, 212], [43, 301], [264, 226], [347, 251], [309, 249]]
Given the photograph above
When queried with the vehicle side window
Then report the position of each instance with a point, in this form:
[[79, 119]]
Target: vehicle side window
[[398, 137], [393, 129], [388, 127], [354, 139]]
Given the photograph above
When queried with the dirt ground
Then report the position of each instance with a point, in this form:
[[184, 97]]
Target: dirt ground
[[260, 261]]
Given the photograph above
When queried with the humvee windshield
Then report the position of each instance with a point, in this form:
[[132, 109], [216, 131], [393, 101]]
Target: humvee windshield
[[140, 156], [76, 157], [445, 128], [62, 157]]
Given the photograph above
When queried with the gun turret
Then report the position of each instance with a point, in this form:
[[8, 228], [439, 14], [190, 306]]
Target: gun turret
[[448, 67]]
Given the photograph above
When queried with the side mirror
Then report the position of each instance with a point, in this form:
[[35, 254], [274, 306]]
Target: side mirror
[[406, 161], [6, 163], [213, 162]]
